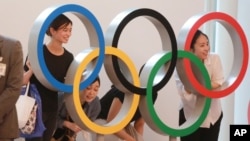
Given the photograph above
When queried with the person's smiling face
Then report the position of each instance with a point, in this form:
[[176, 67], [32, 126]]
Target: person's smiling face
[[90, 93], [63, 33], [201, 47]]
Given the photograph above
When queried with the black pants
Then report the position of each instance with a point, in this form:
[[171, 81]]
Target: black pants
[[202, 134]]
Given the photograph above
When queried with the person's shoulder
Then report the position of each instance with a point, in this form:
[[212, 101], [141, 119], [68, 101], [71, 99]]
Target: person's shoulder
[[68, 52], [1, 37], [7, 38], [95, 103], [96, 98], [213, 55], [10, 42]]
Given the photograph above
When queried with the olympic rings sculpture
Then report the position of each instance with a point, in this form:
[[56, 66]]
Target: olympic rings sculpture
[[105, 51]]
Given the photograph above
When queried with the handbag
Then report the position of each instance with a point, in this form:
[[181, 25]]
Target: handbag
[[24, 106], [39, 125], [30, 125]]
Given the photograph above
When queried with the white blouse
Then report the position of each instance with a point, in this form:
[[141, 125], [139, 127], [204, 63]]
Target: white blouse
[[215, 70]]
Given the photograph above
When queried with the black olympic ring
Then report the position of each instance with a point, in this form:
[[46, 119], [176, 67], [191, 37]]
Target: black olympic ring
[[168, 42], [163, 27]]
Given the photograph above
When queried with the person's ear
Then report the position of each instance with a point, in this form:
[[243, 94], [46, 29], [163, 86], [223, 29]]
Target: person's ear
[[52, 31]]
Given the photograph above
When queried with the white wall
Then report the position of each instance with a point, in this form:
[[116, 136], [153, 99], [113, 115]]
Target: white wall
[[222, 43], [235, 105], [139, 40], [242, 96]]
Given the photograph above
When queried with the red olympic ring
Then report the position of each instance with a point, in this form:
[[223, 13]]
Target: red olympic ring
[[227, 21], [195, 24]]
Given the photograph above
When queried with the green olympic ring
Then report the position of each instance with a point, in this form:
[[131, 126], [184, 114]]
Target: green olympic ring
[[162, 128], [149, 115]]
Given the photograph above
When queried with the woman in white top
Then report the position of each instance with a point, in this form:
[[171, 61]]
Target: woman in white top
[[209, 130]]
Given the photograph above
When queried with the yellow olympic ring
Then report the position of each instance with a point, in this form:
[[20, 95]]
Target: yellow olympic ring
[[126, 113], [112, 126]]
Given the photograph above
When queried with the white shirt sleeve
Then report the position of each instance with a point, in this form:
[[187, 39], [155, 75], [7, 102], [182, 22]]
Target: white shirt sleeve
[[188, 99]]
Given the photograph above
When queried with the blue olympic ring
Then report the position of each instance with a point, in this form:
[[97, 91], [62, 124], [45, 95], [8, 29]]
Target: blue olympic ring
[[49, 16], [55, 11]]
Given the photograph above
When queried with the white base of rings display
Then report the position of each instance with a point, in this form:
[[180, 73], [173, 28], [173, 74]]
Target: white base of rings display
[[110, 137]]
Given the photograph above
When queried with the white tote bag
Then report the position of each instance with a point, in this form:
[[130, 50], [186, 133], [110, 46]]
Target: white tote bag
[[24, 106]]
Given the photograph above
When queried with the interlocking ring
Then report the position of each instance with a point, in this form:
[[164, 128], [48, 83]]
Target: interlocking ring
[[192, 123], [152, 66], [126, 113], [113, 67], [35, 46], [241, 52]]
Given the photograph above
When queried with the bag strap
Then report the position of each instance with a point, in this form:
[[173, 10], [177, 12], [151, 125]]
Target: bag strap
[[27, 89]]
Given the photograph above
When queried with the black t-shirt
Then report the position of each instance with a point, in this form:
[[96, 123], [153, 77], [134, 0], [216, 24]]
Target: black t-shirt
[[58, 67], [107, 99]]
